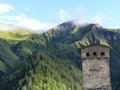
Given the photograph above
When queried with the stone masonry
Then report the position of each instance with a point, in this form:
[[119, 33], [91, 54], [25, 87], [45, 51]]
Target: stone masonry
[[95, 67]]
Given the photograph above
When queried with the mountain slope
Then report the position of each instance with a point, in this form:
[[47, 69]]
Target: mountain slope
[[13, 33], [7, 57], [52, 60]]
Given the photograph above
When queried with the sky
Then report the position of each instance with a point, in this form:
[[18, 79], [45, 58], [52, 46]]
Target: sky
[[45, 14]]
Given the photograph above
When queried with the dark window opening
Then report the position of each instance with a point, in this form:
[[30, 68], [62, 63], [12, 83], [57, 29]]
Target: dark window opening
[[87, 54], [102, 54], [94, 54]]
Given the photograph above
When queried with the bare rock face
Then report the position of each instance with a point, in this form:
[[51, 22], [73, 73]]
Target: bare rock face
[[70, 25], [65, 26]]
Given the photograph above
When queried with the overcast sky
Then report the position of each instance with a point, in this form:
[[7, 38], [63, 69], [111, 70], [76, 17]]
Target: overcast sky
[[44, 14]]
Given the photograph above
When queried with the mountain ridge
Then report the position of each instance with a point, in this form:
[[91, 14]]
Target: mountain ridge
[[53, 56]]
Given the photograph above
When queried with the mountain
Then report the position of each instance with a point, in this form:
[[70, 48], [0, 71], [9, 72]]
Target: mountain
[[71, 24], [51, 60], [14, 33]]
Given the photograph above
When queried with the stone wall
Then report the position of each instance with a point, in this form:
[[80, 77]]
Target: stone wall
[[95, 68]]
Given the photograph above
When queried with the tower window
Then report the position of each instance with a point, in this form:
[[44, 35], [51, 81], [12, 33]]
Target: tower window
[[102, 54], [87, 54], [94, 54]]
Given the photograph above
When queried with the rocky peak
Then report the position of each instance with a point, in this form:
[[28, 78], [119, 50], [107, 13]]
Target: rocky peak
[[79, 23], [71, 24], [96, 26]]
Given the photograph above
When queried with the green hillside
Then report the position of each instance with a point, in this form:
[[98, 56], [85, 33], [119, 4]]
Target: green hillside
[[51, 61], [7, 57], [16, 35]]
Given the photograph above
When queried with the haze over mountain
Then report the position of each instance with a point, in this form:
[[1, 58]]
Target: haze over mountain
[[51, 60], [71, 24], [7, 27]]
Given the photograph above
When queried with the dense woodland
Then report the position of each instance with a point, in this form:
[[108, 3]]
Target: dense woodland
[[51, 60]]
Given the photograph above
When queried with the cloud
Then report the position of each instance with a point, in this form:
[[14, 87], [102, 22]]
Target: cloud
[[99, 17], [4, 8], [82, 12], [7, 27], [62, 14], [23, 21], [110, 18], [32, 23]]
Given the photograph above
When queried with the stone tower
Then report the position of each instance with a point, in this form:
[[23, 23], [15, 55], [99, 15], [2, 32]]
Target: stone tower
[[95, 67]]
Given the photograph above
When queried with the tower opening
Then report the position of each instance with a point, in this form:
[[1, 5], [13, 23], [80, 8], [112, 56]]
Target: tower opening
[[102, 54], [87, 54], [94, 54]]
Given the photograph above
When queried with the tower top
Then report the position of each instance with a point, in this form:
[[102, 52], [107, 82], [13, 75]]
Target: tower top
[[95, 51], [94, 44]]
